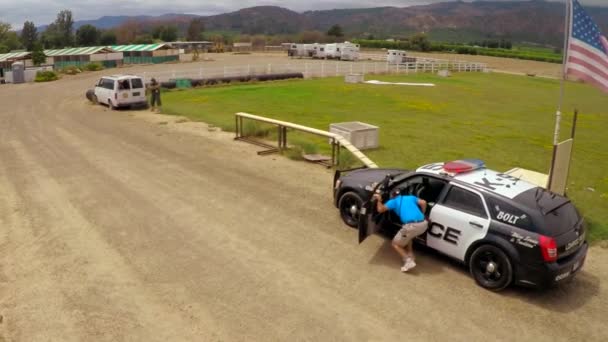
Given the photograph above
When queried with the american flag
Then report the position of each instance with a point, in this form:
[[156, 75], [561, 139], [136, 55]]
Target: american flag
[[587, 49]]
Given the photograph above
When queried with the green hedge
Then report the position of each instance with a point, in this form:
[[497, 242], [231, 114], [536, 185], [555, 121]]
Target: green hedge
[[46, 76], [464, 50], [93, 67]]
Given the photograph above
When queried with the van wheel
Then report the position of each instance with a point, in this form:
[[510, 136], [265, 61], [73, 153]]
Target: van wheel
[[491, 268], [111, 105], [94, 99], [350, 205]]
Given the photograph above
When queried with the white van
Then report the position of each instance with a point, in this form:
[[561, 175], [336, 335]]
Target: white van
[[120, 91]]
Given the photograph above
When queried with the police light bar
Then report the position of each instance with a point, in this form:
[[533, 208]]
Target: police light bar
[[462, 166]]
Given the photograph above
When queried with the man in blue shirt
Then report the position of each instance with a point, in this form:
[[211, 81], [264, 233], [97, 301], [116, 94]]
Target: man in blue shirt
[[410, 210]]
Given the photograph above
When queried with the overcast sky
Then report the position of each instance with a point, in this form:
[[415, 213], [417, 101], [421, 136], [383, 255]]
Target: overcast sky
[[16, 12]]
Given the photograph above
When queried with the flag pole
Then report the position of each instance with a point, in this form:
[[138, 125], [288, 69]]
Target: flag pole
[[558, 114]]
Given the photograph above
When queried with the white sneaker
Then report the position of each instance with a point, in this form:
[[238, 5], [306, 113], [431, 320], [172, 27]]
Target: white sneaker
[[408, 265]]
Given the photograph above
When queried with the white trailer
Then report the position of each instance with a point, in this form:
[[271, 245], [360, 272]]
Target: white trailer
[[395, 56], [349, 51], [398, 57], [333, 51], [318, 51], [298, 50]]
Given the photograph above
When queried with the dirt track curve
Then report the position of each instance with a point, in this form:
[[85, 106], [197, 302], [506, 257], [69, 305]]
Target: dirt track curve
[[117, 228]]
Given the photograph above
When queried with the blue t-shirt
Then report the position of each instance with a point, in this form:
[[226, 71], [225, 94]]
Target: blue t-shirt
[[406, 208]]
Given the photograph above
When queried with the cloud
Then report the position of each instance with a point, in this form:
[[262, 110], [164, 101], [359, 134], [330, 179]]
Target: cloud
[[16, 12]]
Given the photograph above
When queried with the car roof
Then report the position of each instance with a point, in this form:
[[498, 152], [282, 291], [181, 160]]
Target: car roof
[[121, 77], [483, 179]]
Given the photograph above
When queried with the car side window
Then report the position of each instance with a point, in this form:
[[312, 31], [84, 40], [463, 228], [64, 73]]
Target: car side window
[[100, 83], [109, 84], [464, 200], [137, 83]]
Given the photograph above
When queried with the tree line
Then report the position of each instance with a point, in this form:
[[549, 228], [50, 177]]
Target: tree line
[[63, 34]]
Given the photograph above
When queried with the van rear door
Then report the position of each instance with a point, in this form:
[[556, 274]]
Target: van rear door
[[138, 93]]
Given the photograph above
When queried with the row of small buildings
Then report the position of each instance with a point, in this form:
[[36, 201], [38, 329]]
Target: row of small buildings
[[108, 56]]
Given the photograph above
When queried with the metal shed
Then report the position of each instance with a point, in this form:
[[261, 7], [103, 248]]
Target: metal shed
[[147, 53], [7, 60], [85, 55]]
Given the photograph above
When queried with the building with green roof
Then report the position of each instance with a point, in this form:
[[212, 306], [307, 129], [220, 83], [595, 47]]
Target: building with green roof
[[147, 53], [81, 56], [7, 60]]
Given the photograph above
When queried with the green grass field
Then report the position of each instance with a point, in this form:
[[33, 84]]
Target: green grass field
[[505, 120]]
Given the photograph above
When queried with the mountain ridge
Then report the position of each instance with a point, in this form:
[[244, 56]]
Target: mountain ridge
[[532, 21]]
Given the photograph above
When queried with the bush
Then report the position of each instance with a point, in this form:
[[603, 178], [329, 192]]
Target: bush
[[46, 76], [71, 70], [93, 67]]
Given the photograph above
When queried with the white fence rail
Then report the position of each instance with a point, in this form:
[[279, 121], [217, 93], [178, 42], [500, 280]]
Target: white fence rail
[[319, 69]]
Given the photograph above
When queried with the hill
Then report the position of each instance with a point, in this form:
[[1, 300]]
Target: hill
[[532, 21]]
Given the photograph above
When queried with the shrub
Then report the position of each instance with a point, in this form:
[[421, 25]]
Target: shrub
[[93, 67], [71, 70], [46, 76]]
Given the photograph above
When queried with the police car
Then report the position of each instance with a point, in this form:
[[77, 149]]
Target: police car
[[506, 230]]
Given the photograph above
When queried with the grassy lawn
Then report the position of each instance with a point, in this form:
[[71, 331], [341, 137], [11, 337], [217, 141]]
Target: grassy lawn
[[505, 120]]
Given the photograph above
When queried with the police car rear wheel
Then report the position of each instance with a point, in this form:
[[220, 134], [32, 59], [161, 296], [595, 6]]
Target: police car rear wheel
[[350, 205], [491, 268]]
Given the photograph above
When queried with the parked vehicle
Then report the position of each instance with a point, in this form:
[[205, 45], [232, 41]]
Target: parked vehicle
[[349, 52], [300, 50], [318, 51], [120, 91], [333, 51], [504, 229]]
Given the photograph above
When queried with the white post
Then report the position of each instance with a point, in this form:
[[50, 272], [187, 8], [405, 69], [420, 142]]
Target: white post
[[323, 69], [224, 71], [363, 69], [375, 68], [351, 68], [248, 70], [173, 72], [306, 70], [269, 69], [200, 72], [337, 69]]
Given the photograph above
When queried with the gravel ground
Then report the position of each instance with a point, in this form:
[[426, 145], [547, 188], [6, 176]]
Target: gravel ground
[[130, 226]]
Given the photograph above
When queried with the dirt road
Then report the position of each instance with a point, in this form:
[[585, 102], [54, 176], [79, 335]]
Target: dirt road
[[117, 228]]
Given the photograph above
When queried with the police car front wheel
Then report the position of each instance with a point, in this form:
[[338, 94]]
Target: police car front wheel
[[491, 268], [350, 205]]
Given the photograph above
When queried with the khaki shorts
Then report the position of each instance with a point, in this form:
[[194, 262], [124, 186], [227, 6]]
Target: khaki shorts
[[408, 232]]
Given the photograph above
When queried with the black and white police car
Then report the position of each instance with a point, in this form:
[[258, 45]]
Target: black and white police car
[[504, 229]]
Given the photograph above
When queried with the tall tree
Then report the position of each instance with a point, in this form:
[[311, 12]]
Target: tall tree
[[38, 56], [107, 38], [87, 35], [5, 28], [336, 31], [195, 30], [128, 31], [11, 41], [169, 34], [29, 35], [65, 27]]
